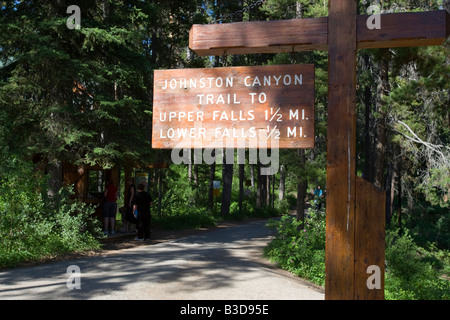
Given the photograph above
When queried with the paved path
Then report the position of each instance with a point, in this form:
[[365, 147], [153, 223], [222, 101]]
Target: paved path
[[223, 264]]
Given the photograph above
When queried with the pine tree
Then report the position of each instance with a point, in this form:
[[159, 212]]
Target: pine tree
[[405, 101], [76, 95], [305, 169], [85, 95]]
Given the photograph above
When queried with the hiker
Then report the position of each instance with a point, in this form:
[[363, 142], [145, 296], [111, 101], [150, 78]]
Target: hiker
[[141, 208]]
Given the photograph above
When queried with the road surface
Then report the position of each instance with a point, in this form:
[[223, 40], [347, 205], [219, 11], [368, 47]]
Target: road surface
[[222, 264]]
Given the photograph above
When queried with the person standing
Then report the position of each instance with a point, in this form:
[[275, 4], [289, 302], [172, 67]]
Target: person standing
[[318, 197], [128, 219], [109, 207], [142, 204]]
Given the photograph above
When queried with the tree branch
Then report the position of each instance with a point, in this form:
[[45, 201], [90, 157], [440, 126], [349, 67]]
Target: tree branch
[[415, 138]]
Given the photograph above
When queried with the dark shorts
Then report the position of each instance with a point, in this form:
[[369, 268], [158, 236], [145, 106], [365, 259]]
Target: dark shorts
[[109, 210]]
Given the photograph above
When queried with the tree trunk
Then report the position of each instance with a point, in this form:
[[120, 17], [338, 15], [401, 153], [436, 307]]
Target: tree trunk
[[302, 184], [448, 63], [301, 187], [282, 182], [227, 178], [273, 193], [195, 174], [298, 10], [259, 186], [368, 135], [55, 179], [399, 196], [301, 193], [241, 187], [212, 177], [252, 176], [390, 178], [190, 168], [381, 121], [263, 189], [160, 184]]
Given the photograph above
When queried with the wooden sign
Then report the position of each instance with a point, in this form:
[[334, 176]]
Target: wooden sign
[[235, 107]]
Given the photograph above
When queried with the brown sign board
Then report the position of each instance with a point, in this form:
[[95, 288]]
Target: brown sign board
[[234, 107]]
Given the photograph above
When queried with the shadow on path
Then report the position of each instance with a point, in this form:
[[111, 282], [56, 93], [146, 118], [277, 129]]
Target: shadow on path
[[202, 265]]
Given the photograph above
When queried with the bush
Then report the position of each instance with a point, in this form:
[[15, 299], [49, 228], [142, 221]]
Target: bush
[[185, 218], [410, 271], [183, 205], [429, 223], [283, 206], [300, 248], [34, 225]]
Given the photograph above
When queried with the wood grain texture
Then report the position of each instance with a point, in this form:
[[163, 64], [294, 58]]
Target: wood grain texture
[[369, 238], [239, 101], [259, 37], [341, 146], [410, 29]]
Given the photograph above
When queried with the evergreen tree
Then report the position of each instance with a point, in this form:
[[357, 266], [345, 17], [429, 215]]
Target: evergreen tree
[[306, 168], [76, 95], [403, 98]]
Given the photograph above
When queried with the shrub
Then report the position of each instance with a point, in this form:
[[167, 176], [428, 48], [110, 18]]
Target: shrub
[[34, 225], [183, 205], [185, 218], [410, 273], [300, 247]]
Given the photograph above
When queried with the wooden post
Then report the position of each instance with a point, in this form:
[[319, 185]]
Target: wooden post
[[341, 146], [369, 241]]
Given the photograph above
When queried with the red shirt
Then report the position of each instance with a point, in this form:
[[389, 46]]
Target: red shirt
[[112, 193]]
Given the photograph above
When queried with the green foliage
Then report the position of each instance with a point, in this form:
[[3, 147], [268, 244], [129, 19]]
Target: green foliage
[[247, 210], [184, 205], [34, 225], [186, 217], [290, 9], [429, 224], [435, 186], [412, 272], [300, 247], [77, 95]]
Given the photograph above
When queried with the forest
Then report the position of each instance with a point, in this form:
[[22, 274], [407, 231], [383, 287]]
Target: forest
[[84, 96]]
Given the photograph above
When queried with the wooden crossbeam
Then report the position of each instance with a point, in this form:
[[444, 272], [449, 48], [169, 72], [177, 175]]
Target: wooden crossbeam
[[397, 30], [409, 29], [259, 37]]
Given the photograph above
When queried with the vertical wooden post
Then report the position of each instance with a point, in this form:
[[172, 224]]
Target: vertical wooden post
[[341, 145], [369, 241]]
